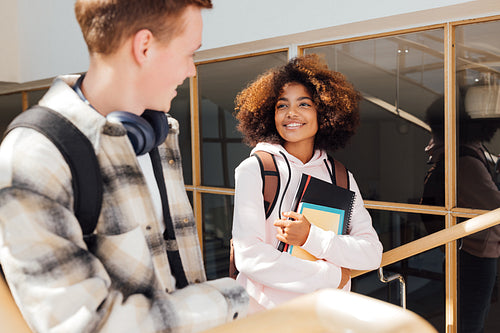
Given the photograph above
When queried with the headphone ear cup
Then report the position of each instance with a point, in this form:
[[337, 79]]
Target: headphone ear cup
[[158, 120], [139, 131]]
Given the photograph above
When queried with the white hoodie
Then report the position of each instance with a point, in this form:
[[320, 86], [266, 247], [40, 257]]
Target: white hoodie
[[272, 277]]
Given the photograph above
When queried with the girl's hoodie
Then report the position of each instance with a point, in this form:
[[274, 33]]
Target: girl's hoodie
[[272, 277]]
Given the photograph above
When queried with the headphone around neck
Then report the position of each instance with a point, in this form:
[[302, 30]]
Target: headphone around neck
[[145, 132]]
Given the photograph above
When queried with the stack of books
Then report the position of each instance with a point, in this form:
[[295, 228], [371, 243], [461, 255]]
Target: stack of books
[[325, 205]]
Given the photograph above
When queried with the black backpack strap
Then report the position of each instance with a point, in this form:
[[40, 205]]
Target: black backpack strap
[[341, 173], [270, 179], [80, 155], [173, 254]]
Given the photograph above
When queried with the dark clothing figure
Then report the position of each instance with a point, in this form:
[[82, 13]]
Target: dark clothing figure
[[478, 252]]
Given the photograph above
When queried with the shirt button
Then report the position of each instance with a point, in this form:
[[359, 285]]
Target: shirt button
[[186, 220], [171, 162], [148, 227], [235, 315]]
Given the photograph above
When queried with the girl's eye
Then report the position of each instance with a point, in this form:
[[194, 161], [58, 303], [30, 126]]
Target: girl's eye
[[305, 104], [280, 106]]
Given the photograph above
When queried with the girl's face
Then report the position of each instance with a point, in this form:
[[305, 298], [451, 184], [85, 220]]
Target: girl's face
[[296, 116]]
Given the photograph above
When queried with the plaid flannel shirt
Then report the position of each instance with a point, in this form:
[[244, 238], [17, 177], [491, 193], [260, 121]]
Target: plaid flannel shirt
[[124, 283]]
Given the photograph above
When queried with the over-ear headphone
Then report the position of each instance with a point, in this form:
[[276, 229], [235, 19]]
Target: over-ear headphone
[[145, 132]]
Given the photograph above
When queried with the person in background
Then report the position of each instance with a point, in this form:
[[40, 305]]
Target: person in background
[[123, 280], [479, 252], [296, 112]]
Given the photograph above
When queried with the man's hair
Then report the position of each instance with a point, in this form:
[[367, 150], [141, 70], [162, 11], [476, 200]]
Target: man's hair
[[105, 24], [336, 101]]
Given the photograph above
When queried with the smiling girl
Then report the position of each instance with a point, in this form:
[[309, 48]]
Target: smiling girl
[[296, 112]]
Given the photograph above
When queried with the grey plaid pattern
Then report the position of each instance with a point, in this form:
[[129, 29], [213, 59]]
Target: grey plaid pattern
[[122, 284]]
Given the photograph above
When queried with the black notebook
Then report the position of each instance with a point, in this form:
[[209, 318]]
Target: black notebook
[[325, 205]]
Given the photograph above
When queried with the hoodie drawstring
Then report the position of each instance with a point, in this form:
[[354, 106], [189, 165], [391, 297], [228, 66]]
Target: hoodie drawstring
[[287, 183]]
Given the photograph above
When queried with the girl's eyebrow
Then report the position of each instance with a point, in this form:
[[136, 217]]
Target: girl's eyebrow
[[299, 99]]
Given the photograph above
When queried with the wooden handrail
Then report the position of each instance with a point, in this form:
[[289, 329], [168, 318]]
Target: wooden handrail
[[11, 318], [331, 310], [438, 238]]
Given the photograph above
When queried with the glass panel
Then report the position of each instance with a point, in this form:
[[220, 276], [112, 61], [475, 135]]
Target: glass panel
[[425, 286], [212, 167], [10, 106], [424, 273], [209, 119], [180, 110], [398, 228], [190, 196], [478, 101], [478, 120], [236, 152], [399, 77], [35, 96], [217, 225], [478, 292], [219, 83]]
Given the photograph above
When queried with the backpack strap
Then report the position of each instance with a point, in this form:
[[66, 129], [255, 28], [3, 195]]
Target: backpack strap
[[341, 173], [270, 179], [80, 155]]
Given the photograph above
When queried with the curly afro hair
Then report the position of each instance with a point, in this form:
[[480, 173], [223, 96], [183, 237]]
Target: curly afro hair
[[336, 101]]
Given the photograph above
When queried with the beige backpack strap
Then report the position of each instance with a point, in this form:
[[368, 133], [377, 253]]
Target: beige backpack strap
[[341, 173], [341, 176], [270, 179]]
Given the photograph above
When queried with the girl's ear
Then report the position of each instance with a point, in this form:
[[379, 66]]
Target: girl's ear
[[141, 45]]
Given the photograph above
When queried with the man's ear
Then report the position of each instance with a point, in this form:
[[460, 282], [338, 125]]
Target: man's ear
[[141, 45]]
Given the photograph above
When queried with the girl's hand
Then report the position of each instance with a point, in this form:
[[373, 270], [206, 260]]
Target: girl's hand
[[346, 275], [293, 232]]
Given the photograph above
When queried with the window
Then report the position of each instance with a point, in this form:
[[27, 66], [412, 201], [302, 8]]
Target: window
[[398, 76], [221, 147]]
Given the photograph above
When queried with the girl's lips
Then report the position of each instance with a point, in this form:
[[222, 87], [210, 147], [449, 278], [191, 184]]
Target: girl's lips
[[293, 125]]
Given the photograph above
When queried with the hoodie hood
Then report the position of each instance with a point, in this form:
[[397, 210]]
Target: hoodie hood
[[276, 149]]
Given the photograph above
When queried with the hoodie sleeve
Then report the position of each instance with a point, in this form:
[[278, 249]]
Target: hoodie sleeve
[[360, 249], [256, 255]]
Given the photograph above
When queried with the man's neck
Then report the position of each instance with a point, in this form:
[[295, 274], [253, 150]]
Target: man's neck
[[107, 88]]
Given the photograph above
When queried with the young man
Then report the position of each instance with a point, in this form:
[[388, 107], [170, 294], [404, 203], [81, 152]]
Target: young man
[[123, 280]]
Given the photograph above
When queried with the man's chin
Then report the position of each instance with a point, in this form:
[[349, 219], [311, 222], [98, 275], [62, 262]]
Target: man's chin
[[163, 108]]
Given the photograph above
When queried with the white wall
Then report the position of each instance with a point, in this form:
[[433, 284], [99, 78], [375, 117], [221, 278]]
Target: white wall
[[50, 39], [40, 38], [239, 21], [9, 44], [238, 27]]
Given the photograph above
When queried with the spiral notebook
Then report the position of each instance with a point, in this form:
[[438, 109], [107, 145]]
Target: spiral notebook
[[325, 205]]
